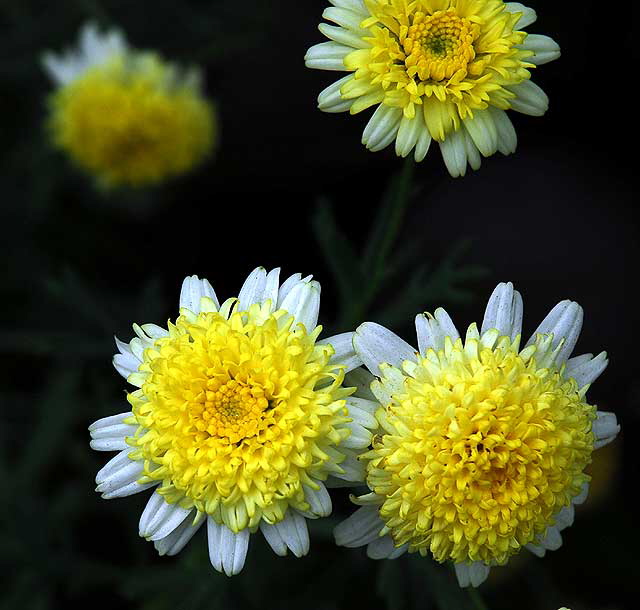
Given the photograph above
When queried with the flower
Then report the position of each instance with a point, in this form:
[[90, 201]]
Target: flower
[[126, 116], [445, 70], [241, 418], [482, 444]]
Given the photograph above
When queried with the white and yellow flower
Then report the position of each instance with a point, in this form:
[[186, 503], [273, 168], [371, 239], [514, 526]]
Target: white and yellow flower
[[482, 444], [443, 70], [126, 116], [240, 420]]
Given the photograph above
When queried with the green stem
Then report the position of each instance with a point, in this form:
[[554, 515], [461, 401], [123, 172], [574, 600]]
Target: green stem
[[477, 599], [378, 258]]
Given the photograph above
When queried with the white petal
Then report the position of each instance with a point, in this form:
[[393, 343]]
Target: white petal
[[432, 330], [193, 289], [528, 14], [303, 303], [359, 438], [290, 533], [531, 99], [454, 154], [586, 369], [605, 428], [382, 127], [360, 528], [546, 49], [160, 518], [252, 289], [344, 354], [507, 137], [118, 478], [110, 433], [227, 551], [327, 56], [271, 286], [344, 36], [361, 379], [552, 539], [564, 321], [384, 548], [375, 344], [538, 551], [473, 574], [582, 496], [408, 133], [483, 132], [178, 538], [108, 422], [564, 517], [330, 99], [126, 362], [319, 500], [287, 286], [350, 18], [504, 311], [363, 411], [353, 467]]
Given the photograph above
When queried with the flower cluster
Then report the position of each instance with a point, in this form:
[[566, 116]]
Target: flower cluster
[[443, 70], [126, 116], [242, 418]]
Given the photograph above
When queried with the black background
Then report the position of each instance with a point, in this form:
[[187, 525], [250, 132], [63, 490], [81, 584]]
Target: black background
[[557, 218]]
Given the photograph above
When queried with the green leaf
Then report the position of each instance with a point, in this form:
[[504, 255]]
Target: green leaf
[[340, 255]]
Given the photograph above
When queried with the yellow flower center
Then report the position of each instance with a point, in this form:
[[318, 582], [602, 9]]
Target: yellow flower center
[[129, 122], [438, 45], [479, 451], [444, 59], [237, 413]]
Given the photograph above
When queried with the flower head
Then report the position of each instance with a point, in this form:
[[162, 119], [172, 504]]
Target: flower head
[[126, 116], [240, 418], [444, 70], [482, 444]]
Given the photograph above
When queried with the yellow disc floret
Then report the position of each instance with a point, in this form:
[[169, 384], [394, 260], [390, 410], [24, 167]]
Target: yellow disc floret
[[447, 57], [478, 451], [132, 121], [236, 413]]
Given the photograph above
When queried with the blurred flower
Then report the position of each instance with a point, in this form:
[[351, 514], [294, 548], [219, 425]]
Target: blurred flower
[[126, 116], [436, 69], [240, 417], [482, 445]]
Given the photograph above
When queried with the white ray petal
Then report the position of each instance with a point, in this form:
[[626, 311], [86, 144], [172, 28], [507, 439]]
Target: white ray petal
[[504, 311], [431, 330], [227, 551], [375, 344], [319, 500], [586, 369], [361, 528], [345, 353], [546, 49], [384, 548], [605, 428], [178, 538], [192, 290], [474, 573], [303, 303], [454, 154], [530, 98], [507, 136], [327, 56], [252, 289], [528, 14], [290, 533]]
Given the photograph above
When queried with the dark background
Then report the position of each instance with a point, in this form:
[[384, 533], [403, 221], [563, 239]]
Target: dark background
[[557, 219]]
